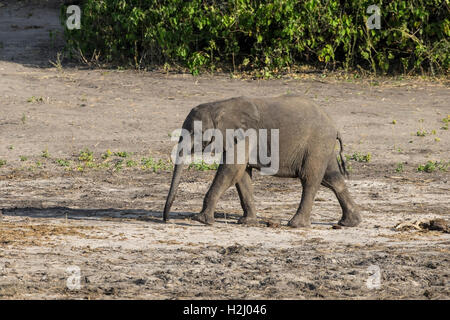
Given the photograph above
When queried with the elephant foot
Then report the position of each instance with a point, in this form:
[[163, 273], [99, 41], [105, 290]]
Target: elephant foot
[[250, 221], [203, 218], [299, 222], [350, 220]]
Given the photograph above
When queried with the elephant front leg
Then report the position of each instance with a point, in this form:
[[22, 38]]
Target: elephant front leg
[[226, 176]]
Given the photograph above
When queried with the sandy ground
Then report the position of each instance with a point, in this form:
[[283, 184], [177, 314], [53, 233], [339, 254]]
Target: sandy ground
[[107, 222]]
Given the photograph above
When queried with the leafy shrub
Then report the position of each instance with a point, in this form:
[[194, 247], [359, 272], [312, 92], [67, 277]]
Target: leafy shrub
[[271, 36]]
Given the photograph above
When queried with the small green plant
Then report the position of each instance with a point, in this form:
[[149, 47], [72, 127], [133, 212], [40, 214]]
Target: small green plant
[[2, 163], [24, 118], [431, 166], [38, 164], [349, 168], [122, 154], [359, 157], [34, 99], [107, 154], [155, 166], [103, 165], [11, 147], [118, 165], [23, 158], [400, 167], [45, 154], [147, 162], [203, 166], [421, 133], [90, 164], [131, 163], [428, 167], [63, 163], [394, 121], [58, 63], [445, 121], [86, 155]]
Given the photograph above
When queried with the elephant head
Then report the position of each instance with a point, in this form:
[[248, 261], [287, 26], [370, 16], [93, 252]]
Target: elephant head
[[235, 113]]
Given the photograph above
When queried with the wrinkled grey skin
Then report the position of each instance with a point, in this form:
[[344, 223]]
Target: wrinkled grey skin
[[307, 140]]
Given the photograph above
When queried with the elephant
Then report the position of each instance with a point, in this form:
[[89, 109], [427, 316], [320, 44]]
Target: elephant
[[306, 150]]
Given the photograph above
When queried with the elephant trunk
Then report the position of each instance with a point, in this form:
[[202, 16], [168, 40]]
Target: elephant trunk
[[188, 126], [173, 190]]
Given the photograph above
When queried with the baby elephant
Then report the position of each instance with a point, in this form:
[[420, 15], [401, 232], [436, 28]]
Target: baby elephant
[[299, 136]]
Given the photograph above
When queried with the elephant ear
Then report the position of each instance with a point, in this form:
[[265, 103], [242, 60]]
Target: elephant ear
[[236, 113]]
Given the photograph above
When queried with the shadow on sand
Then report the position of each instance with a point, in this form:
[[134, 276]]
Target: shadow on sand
[[179, 218]]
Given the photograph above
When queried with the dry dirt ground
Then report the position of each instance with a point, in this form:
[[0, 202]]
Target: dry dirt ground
[[103, 216]]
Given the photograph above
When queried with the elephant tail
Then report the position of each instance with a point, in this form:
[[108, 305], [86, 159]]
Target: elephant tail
[[341, 161]]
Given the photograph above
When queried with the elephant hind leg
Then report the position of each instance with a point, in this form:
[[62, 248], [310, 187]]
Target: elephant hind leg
[[334, 180], [311, 179], [226, 176], [245, 190]]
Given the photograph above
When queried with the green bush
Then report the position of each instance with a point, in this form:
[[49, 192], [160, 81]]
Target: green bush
[[271, 36]]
